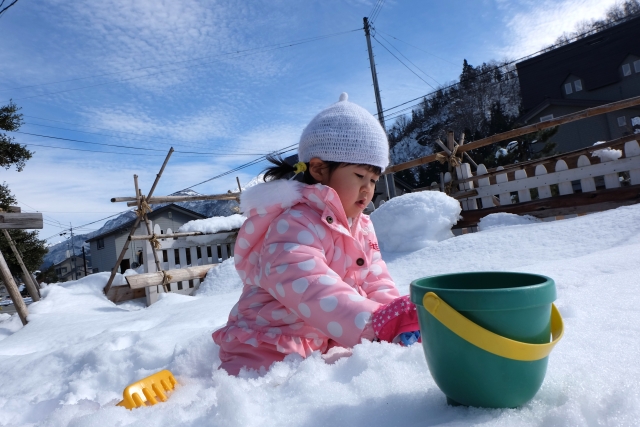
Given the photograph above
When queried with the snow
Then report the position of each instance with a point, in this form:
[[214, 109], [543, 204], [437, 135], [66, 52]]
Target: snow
[[214, 225], [606, 154], [427, 216], [501, 152], [409, 148], [69, 365], [504, 219]]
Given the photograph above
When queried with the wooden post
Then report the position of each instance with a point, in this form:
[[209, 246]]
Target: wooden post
[[10, 220], [239, 186], [28, 280], [138, 281], [135, 224], [18, 302], [150, 231]]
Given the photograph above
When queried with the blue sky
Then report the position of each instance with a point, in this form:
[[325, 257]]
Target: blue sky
[[218, 79]]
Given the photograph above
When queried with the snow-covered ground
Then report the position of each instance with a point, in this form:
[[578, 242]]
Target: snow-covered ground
[[69, 365]]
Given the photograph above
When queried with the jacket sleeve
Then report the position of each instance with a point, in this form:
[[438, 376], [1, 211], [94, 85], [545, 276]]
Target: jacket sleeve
[[294, 270], [378, 283]]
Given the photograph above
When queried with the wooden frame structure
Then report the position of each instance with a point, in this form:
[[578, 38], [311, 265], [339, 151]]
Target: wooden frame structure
[[157, 276], [496, 190], [18, 220]]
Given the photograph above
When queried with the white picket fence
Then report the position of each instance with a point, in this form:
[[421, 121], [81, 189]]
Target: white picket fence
[[185, 252], [503, 191]]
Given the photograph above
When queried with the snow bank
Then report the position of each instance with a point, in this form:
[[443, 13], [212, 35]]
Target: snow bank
[[69, 365], [214, 225], [606, 154], [504, 219], [411, 221], [219, 280]]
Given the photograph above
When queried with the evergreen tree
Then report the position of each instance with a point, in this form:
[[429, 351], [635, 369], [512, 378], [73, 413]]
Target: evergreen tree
[[30, 247], [11, 153]]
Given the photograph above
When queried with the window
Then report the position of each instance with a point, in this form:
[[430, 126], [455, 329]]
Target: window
[[622, 121], [63, 270], [626, 70], [578, 85], [100, 244], [567, 88], [546, 118], [170, 214]]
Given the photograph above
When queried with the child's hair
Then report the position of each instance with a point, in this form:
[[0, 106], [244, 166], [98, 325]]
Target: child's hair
[[283, 170]]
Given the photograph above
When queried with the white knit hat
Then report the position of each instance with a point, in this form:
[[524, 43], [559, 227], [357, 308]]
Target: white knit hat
[[345, 132]]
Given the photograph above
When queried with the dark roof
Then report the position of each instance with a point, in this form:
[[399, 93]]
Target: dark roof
[[595, 59], [127, 225], [579, 103]]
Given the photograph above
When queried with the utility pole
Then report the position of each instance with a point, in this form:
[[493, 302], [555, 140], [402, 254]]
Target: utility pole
[[388, 178], [84, 261], [73, 255]]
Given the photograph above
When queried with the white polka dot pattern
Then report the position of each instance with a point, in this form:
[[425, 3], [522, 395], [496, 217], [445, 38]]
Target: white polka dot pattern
[[283, 226], [304, 310], [300, 285], [305, 238], [302, 281], [335, 329], [329, 303], [307, 265], [361, 319]]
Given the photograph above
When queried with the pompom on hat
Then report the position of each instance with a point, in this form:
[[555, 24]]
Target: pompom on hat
[[345, 132]]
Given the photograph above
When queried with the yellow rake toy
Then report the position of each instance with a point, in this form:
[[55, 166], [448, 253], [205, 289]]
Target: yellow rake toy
[[148, 391]]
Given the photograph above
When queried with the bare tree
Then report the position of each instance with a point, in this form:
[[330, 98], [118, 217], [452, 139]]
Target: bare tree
[[4, 9]]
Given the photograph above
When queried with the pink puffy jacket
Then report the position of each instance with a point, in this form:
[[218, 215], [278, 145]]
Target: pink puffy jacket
[[308, 277]]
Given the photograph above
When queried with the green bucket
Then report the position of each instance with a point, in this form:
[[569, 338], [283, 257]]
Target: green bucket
[[486, 335]]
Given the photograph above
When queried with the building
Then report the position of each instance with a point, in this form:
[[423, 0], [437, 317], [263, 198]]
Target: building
[[72, 268], [106, 247], [599, 69]]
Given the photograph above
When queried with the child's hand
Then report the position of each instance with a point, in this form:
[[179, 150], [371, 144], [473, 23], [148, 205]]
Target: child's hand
[[395, 319]]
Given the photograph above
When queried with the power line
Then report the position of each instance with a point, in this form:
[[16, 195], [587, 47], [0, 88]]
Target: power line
[[109, 136], [190, 66], [135, 148], [404, 56], [245, 165], [91, 151], [416, 47], [546, 49], [373, 16], [407, 67], [93, 222]]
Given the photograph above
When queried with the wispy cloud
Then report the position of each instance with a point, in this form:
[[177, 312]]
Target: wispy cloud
[[532, 25]]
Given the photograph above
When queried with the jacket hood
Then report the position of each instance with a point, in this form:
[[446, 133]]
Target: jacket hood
[[279, 192]]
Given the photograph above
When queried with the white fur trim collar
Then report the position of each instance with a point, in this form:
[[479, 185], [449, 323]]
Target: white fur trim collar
[[283, 192]]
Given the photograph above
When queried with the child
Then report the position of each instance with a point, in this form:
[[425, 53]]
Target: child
[[309, 259]]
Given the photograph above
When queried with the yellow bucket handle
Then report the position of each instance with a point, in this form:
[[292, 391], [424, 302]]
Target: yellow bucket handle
[[487, 340]]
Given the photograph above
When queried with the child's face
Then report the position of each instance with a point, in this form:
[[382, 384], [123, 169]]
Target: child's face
[[355, 186]]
